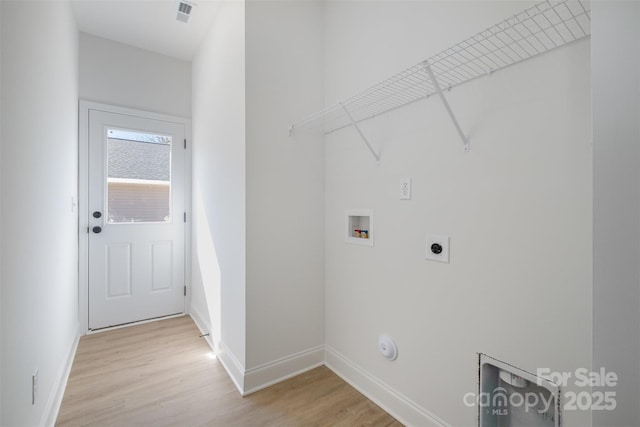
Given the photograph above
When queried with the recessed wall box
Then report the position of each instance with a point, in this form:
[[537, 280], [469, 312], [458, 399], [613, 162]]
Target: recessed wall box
[[359, 227]]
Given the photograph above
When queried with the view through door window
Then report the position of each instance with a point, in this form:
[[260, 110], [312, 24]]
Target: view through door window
[[138, 177]]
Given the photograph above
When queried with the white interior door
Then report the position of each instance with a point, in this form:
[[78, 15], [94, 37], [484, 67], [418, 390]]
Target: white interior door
[[136, 208]]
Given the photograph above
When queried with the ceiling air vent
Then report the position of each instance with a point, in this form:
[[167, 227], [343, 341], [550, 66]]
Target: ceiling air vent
[[184, 11]]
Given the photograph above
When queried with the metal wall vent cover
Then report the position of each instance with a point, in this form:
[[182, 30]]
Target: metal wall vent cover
[[184, 11]]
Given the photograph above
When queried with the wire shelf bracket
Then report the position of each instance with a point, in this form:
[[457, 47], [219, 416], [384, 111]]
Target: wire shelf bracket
[[364, 138], [438, 89], [544, 27]]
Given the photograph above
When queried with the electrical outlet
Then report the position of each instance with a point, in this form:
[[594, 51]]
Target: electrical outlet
[[405, 189], [34, 387], [437, 248]]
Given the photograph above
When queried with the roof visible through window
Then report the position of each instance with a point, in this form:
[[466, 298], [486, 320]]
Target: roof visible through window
[[138, 155]]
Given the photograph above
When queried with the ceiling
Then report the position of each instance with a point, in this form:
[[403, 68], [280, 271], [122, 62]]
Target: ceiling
[[147, 24]]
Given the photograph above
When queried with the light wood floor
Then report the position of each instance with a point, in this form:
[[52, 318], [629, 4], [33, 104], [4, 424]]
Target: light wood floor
[[161, 374]]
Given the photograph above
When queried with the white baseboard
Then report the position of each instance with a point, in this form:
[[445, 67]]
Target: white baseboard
[[263, 376], [52, 407], [205, 328], [397, 405], [234, 368]]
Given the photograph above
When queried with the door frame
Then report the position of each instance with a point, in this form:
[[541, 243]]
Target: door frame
[[83, 200]]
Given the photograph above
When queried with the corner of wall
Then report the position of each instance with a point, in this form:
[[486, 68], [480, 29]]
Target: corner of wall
[[204, 326], [284, 192], [233, 367], [263, 376], [218, 209], [52, 407], [395, 403]]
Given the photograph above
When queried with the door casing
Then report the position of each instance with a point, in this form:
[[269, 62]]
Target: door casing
[[83, 197]]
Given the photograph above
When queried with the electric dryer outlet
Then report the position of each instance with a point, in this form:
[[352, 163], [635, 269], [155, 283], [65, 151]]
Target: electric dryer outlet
[[437, 248]]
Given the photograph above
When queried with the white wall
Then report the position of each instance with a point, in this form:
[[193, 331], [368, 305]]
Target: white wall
[[219, 183], [39, 228], [616, 109], [517, 208], [285, 186], [258, 263], [1, 286], [119, 74]]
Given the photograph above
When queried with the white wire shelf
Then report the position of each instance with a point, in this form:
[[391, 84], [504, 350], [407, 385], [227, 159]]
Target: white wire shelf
[[534, 31]]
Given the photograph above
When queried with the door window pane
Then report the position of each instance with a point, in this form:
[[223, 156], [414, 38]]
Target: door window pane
[[138, 177]]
